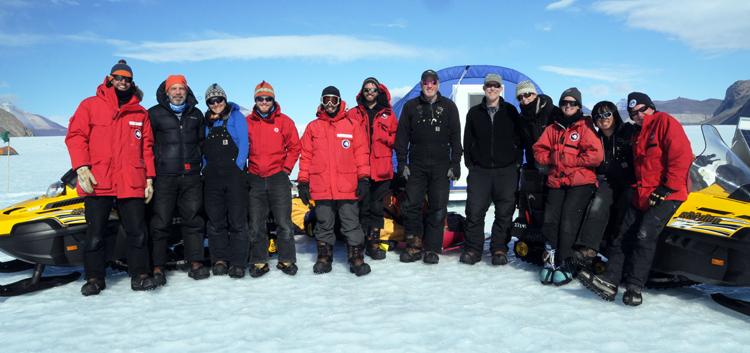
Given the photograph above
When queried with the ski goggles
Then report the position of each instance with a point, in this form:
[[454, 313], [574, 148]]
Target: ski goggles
[[603, 115], [122, 78], [263, 99], [330, 100], [215, 100]]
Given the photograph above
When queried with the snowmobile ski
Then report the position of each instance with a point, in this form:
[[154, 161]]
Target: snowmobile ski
[[738, 305]]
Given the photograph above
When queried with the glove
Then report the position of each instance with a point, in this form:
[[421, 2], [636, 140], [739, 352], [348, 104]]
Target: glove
[[149, 191], [661, 193], [304, 192], [454, 172], [363, 187], [403, 172], [86, 179]]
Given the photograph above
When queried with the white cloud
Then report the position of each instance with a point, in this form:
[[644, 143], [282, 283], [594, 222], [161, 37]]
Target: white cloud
[[19, 40], [544, 27], [90, 37], [4, 84], [399, 23], [399, 92], [560, 4], [607, 74], [712, 26], [328, 47]]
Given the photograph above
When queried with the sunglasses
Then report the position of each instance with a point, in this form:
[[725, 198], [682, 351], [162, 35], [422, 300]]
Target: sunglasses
[[492, 85], [604, 115], [569, 103], [263, 99], [122, 78], [429, 82], [634, 112], [369, 90], [215, 100], [524, 95], [330, 99]]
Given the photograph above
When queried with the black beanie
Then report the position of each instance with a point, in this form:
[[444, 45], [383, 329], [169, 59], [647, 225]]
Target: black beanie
[[571, 92], [122, 69], [331, 90], [372, 80], [635, 98]]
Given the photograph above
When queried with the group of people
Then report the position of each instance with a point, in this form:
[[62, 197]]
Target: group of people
[[182, 160]]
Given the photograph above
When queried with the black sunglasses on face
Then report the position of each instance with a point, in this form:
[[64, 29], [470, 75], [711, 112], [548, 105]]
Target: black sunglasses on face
[[214, 100], [369, 90], [263, 99], [603, 115], [492, 85], [122, 78], [634, 112], [569, 103], [524, 95]]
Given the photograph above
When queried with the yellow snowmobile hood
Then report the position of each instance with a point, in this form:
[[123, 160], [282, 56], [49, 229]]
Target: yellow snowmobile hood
[[66, 209]]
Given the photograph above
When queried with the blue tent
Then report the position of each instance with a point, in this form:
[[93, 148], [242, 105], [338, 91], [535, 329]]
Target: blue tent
[[471, 74]]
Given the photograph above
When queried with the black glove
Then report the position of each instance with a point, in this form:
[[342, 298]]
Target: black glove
[[454, 172], [704, 160], [661, 193], [403, 172], [304, 192], [363, 187]]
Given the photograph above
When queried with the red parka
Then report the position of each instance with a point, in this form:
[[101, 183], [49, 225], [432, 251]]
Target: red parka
[[115, 142], [274, 143], [381, 137], [572, 153], [662, 156], [334, 156]]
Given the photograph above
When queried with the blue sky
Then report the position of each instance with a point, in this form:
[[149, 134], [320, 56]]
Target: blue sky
[[53, 53]]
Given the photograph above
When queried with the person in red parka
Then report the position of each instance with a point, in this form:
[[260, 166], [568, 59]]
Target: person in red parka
[[334, 170], [110, 144], [274, 149], [661, 157], [571, 151], [373, 112]]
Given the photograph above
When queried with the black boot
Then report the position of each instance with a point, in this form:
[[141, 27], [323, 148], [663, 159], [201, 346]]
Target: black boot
[[325, 258], [287, 267], [499, 258], [373, 245], [199, 272], [236, 271], [431, 258], [602, 287], [93, 286], [219, 268], [632, 296], [142, 283], [470, 257], [413, 251], [257, 271], [357, 263], [160, 278]]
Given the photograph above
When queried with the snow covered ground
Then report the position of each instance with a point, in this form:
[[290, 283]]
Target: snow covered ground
[[449, 307]]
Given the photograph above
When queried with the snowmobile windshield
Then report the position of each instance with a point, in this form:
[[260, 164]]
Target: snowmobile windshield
[[718, 164]]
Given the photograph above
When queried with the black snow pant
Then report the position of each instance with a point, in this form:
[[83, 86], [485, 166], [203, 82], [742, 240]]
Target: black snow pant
[[604, 215], [225, 199], [347, 211], [632, 251], [497, 186], [563, 212], [272, 193], [185, 193], [132, 217], [371, 206], [433, 181]]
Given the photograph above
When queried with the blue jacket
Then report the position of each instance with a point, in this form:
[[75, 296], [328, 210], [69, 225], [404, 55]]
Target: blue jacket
[[237, 127]]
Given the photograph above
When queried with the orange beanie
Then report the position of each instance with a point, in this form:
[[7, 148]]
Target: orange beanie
[[173, 80], [264, 89]]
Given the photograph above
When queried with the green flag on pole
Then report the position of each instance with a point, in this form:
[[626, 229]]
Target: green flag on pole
[[5, 135]]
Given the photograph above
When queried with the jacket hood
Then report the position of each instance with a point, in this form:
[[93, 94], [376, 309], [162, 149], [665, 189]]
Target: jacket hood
[[161, 96], [322, 115], [256, 116], [110, 96], [383, 100]]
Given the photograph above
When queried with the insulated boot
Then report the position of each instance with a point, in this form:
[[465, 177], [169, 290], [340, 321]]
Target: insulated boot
[[413, 251], [236, 271], [563, 274], [499, 258], [584, 258], [259, 270], [160, 278], [632, 296], [357, 263], [470, 257], [373, 249], [219, 268], [288, 268], [599, 285], [200, 272], [545, 275], [431, 258], [93, 286], [325, 258], [142, 283]]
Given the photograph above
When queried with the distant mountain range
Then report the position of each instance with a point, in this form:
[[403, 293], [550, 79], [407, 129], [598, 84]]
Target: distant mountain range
[[22, 123]]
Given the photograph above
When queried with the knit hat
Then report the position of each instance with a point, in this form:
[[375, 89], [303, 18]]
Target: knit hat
[[430, 74], [493, 78], [372, 80], [214, 90], [264, 89], [173, 80], [525, 87], [122, 69], [331, 90], [635, 98], [571, 92]]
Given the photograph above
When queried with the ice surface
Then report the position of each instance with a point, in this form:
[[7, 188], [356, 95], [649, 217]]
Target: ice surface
[[449, 307]]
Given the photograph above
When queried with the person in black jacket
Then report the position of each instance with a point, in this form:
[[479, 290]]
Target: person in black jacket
[[492, 147], [177, 124], [429, 134], [615, 176], [537, 111]]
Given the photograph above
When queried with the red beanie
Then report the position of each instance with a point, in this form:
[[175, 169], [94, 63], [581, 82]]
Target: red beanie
[[173, 80]]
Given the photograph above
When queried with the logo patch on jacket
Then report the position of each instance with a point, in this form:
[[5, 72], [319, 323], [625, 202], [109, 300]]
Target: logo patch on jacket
[[225, 142], [632, 103], [138, 134], [346, 144], [276, 130], [574, 136]]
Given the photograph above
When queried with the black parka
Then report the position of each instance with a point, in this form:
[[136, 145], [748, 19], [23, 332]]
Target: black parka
[[492, 142]]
